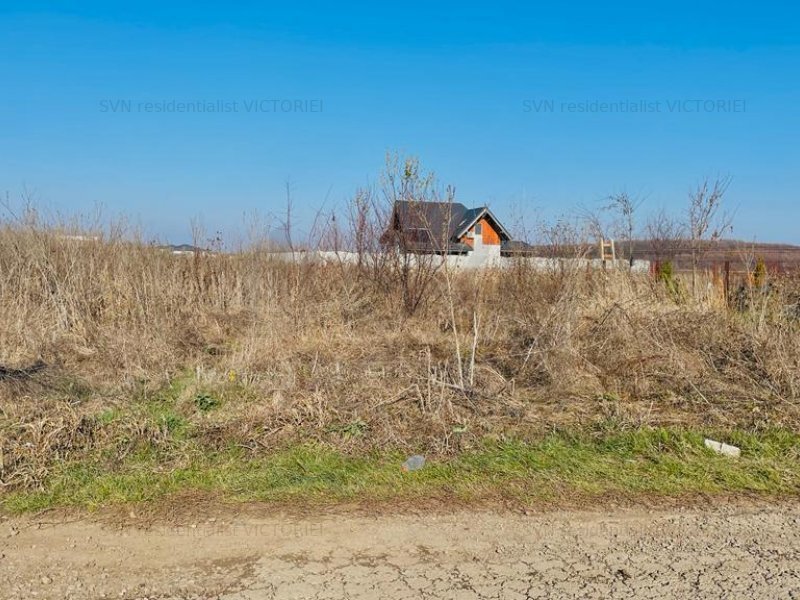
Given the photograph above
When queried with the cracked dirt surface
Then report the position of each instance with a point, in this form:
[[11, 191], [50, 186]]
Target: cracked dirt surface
[[725, 552]]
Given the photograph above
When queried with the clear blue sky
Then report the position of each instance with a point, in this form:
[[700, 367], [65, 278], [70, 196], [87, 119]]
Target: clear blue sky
[[463, 87]]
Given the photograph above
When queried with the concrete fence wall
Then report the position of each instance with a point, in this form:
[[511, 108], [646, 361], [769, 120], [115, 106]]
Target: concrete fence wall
[[477, 260]]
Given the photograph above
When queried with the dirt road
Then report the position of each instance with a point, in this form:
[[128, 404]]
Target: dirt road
[[722, 553]]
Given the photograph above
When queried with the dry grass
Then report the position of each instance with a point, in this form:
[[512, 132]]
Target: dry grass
[[161, 354]]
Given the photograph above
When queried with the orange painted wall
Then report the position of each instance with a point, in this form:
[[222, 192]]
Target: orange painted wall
[[489, 235]]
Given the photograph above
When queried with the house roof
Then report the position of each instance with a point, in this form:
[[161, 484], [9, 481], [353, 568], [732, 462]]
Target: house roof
[[515, 247], [472, 216], [439, 224], [438, 218]]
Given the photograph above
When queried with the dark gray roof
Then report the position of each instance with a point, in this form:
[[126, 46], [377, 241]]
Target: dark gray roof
[[472, 215], [435, 226], [439, 218], [469, 216], [509, 247]]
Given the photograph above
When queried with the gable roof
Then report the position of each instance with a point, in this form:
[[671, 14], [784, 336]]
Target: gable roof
[[436, 226], [452, 219], [473, 216]]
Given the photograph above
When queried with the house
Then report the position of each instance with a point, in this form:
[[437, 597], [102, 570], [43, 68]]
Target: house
[[449, 228]]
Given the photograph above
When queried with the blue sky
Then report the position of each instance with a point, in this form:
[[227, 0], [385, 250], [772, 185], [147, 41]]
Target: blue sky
[[488, 97]]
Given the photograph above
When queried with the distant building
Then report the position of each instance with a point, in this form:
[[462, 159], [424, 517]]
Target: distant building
[[449, 228]]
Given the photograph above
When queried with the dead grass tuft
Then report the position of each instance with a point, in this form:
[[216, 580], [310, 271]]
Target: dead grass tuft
[[150, 353]]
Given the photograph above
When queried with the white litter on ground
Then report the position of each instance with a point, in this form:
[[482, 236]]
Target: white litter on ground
[[725, 449]]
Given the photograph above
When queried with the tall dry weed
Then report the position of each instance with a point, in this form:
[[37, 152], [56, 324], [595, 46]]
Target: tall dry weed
[[144, 347]]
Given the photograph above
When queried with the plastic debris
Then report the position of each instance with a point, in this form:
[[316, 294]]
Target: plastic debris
[[414, 463], [725, 449]]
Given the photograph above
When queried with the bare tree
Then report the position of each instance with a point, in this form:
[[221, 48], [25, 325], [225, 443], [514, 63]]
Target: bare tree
[[286, 225], [707, 223], [625, 208], [417, 260], [568, 238], [594, 224], [665, 236], [387, 251], [329, 233], [365, 221]]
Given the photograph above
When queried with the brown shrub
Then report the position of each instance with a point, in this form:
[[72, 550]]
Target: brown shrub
[[306, 350]]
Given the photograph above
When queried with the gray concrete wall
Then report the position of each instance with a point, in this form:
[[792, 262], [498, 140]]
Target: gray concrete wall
[[487, 257]]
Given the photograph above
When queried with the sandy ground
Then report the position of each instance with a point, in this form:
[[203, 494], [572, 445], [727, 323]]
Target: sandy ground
[[724, 552]]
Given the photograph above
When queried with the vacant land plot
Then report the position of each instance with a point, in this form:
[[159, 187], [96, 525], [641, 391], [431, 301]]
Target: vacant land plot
[[237, 375]]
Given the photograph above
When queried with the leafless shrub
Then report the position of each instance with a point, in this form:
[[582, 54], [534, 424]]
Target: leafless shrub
[[665, 236], [328, 351], [625, 208], [567, 238], [707, 223]]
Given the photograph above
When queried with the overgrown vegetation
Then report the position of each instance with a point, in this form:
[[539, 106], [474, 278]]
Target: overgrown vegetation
[[202, 370]]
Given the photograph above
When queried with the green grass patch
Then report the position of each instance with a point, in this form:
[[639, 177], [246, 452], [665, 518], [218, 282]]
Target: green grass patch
[[663, 462]]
